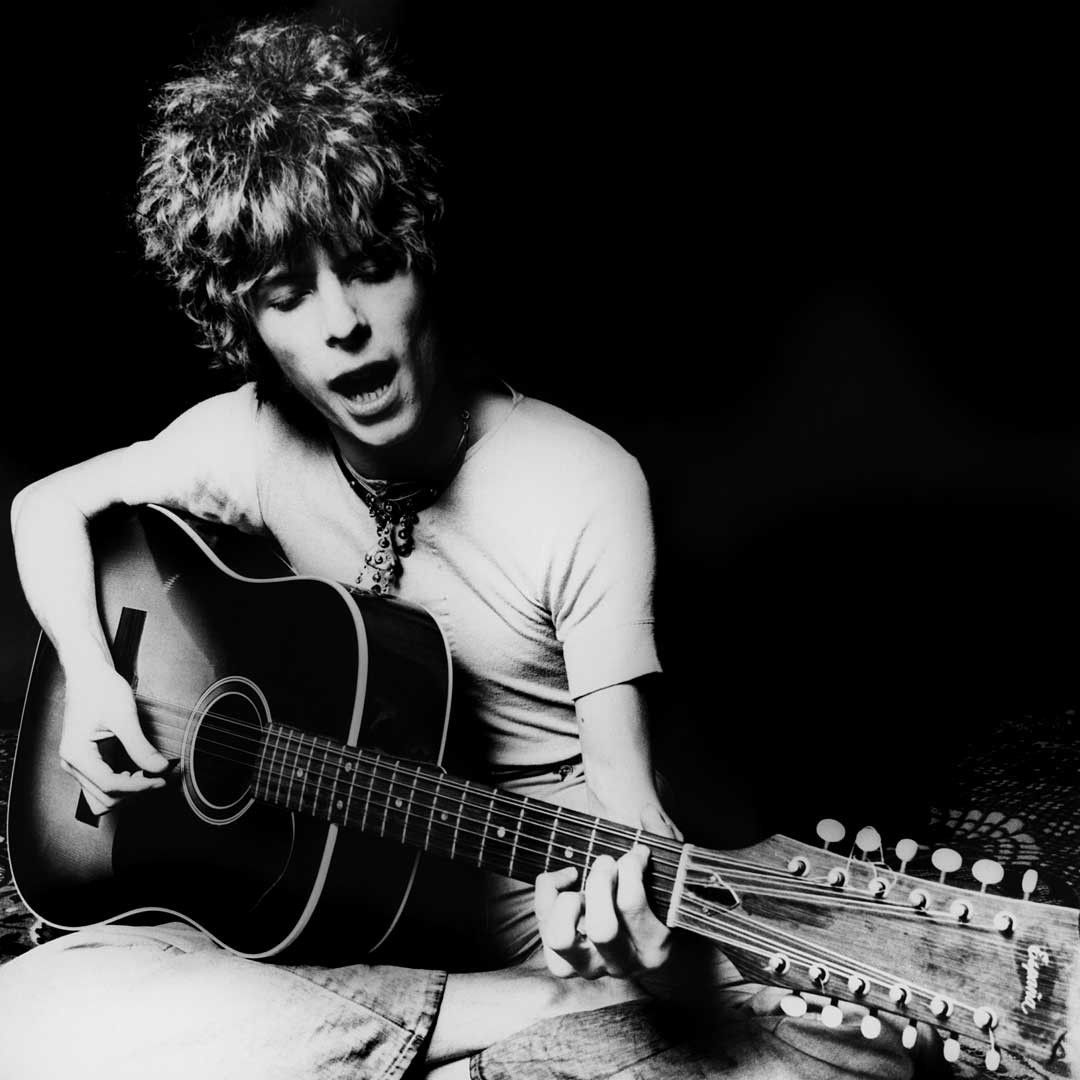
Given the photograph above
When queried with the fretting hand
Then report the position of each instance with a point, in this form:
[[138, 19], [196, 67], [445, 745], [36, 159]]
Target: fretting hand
[[607, 928]]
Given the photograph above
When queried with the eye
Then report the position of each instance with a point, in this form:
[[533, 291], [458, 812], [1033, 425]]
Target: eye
[[286, 301], [372, 268]]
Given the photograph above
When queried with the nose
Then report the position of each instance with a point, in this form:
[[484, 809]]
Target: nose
[[344, 322]]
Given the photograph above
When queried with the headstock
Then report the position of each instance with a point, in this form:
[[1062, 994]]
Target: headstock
[[976, 965]]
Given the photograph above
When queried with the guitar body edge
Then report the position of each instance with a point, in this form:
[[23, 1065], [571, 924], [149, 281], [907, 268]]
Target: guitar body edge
[[218, 660]]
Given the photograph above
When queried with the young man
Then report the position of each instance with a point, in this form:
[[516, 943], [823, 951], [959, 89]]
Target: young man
[[290, 197]]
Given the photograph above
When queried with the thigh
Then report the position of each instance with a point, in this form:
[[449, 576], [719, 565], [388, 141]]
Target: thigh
[[128, 1002]]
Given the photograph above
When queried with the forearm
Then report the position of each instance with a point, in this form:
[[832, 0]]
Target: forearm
[[55, 564], [616, 752]]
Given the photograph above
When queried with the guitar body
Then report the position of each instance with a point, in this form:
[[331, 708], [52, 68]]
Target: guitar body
[[193, 636]]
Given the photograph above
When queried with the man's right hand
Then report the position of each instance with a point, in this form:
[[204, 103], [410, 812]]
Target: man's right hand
[[99, 705]]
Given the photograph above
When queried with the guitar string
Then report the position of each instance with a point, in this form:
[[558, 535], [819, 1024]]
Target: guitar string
[[814, 953], [711, 927], [818, 954], [528, 856], [809, 892], [814, 894], [707, 920], [383, 802], [738, 938], [595, 829], [357, 755]]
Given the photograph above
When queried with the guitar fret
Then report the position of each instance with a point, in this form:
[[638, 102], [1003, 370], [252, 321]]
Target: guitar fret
[[389, 796], [457, 823], [431, 816], [517, 836], [368, 791], [347, 767], [298, 772], [484, 834], [260, 770], [319, 782], [589, 851], [333, 789], [280, 768], [408, 807], [551, 839]]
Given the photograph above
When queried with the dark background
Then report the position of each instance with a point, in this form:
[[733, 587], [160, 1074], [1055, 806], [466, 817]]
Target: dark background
[[818, 277]]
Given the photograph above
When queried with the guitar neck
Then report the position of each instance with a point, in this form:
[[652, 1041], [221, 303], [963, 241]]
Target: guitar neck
[[418, 805]]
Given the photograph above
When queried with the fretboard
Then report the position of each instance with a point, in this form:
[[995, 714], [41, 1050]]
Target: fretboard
[[418, 805]]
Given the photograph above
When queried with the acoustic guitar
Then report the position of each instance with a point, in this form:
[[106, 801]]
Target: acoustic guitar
[[308, 722]]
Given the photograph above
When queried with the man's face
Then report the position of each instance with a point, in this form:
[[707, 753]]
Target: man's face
[[353, 337]]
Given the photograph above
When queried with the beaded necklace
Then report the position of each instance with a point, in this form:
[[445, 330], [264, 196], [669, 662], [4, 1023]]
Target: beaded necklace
[[394, 506]]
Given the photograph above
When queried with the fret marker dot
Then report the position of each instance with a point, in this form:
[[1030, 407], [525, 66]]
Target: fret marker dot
[[299, 772], [569, 852], [348, 767], [340, 804], [398, 803], [444, 816], [500, 832]]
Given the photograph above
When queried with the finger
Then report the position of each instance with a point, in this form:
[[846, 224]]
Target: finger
[[601, 920], [88, 763], [649, 936], [560, 930], [602, 924], [548, 886], [96, 799], [138, 747]]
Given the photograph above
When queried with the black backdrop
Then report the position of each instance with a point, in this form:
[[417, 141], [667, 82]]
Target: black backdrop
[[815, 276]]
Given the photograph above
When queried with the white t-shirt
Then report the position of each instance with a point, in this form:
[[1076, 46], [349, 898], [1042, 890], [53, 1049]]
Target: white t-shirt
[[537, 560]]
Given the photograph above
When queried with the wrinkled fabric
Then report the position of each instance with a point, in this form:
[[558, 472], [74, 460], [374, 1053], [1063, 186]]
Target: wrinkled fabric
[[738, 1035], [126, 1003]]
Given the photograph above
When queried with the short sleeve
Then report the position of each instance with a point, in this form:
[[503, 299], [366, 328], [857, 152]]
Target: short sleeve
[[206, 461], [602, 589]]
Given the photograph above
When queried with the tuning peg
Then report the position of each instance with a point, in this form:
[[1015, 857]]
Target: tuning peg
[[946, 861], [906, 850], [993, 1059], [830, 831], [1028, 883], [870, 1026], [910, 1036], [868, 839], [987, 872], [951, 1049], [793, 1005], [831, 1016]]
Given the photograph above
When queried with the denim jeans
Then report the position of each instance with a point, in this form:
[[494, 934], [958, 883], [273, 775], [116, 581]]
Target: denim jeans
[[167, 1002], [740, 1035]]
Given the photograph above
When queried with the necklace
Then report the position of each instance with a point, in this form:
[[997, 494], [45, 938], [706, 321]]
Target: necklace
[[394, 507]]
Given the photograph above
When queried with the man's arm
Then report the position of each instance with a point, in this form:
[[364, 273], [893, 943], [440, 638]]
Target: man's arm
[[49, 523], [605, 926], [200, 463]]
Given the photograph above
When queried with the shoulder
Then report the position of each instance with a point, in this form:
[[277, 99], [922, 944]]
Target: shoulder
[[548, 445]]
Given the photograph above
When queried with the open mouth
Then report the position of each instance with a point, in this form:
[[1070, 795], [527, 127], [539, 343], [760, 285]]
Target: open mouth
[[366, 384]]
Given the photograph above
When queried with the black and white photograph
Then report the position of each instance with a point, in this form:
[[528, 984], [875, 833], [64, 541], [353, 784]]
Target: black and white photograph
[[545, 545]]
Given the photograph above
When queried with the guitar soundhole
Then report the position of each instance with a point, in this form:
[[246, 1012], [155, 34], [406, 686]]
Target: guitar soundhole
[[222, 749]]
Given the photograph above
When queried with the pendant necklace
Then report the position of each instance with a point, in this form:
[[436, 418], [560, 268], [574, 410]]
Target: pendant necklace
[[394, 506]]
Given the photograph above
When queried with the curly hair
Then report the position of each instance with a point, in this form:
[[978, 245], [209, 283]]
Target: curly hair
[[289, 133]]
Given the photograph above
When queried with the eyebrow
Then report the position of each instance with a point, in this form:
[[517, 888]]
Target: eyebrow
[[282, 275]]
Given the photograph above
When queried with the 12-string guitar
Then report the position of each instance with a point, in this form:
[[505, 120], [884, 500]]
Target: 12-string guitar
[[309, 722]]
